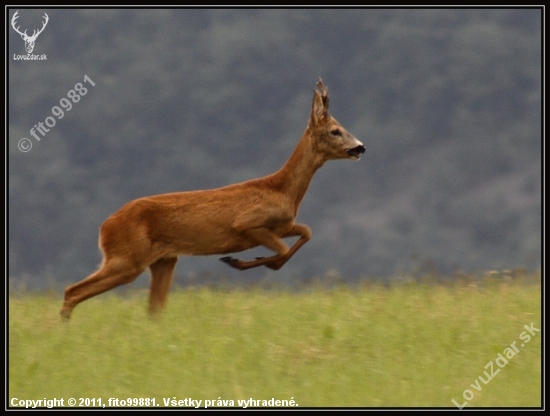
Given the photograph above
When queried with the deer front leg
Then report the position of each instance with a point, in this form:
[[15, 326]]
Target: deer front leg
[[270, 240]]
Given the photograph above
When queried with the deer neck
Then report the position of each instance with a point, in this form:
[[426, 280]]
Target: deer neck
[[295, 175]]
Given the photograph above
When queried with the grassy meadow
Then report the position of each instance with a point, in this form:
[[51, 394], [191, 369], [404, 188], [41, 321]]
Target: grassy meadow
[[472, 343]]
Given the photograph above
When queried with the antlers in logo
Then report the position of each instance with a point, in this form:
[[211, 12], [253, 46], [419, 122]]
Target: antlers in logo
[[29, 40]]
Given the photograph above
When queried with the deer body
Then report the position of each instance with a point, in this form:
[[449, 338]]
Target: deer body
[[153, 231]]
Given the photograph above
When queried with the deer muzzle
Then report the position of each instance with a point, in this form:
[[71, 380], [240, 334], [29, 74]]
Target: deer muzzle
[[356, 152]]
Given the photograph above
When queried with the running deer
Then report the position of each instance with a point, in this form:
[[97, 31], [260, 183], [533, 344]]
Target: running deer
[[153, 231]]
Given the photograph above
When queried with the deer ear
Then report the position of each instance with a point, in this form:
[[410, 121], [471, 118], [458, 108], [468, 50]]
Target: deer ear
[[319, 108]]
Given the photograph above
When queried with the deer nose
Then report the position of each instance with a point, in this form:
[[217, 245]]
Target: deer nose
[[356, 151]]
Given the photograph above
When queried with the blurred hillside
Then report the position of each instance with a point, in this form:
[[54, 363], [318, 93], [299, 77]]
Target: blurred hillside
[[447, 102]]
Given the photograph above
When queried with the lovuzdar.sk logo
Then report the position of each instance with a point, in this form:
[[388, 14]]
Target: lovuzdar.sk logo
[[29, 40]]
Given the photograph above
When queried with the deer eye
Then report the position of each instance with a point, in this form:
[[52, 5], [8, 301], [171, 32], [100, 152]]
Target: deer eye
[[336, 132]]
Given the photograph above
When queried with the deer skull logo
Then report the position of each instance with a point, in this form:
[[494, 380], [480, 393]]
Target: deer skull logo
[[29, 40]]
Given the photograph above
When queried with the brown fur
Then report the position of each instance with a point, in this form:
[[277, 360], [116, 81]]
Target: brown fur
[[153, 231]]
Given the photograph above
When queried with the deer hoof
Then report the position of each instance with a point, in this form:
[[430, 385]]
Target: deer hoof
[[227, 259], [232, 261], [65, 315]]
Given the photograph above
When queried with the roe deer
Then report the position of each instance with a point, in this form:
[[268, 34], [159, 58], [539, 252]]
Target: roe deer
[[153, 231]]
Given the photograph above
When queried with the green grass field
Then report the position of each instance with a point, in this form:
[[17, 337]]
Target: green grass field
[[413, 344]]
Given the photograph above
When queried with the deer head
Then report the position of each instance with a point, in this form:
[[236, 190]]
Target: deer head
[[333, 140], [29, 40]]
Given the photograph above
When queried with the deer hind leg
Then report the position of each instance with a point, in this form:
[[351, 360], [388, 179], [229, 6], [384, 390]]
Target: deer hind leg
[[270, 240], [114, 272], [161, 279]]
